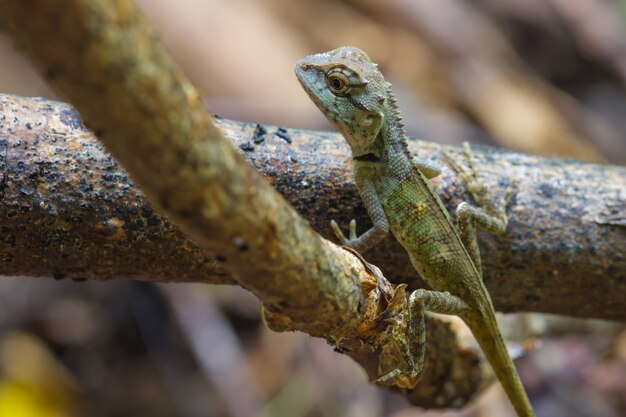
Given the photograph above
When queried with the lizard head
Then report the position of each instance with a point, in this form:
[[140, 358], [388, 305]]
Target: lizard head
[[351, 92]]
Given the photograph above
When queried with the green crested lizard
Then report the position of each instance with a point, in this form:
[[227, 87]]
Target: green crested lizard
[[352, 93]]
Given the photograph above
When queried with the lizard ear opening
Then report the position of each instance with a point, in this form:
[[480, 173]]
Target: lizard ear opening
[[367, 119], [370, 124]]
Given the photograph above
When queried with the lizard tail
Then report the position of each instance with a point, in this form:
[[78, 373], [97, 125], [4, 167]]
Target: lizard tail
[[486, 331]]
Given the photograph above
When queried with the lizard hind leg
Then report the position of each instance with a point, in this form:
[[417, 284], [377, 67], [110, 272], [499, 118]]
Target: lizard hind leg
[[480, 193], [488, 216], [412, 344], [467, 218]]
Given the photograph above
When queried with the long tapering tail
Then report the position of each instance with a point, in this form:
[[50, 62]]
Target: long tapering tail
[[485, 330]]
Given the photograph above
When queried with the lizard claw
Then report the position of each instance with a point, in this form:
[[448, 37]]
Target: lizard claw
[[352, 230], [338, 233], [510, 189]]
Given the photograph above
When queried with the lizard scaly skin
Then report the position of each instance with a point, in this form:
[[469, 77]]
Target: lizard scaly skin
[[352, 93]]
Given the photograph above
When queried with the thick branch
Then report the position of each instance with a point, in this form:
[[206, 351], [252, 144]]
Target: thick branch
[[563, 252], [103, 56]]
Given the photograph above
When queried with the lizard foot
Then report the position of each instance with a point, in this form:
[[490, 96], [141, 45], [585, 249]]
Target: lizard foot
[[351, 239]]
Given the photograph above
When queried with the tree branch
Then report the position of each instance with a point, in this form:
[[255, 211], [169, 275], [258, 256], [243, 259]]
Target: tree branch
[[562, 253]]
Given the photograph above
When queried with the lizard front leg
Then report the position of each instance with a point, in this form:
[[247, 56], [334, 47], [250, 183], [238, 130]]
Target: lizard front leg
[[429, 168], [374, 208]]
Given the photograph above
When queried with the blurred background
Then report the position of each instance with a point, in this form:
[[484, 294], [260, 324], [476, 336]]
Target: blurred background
[[540, 76]]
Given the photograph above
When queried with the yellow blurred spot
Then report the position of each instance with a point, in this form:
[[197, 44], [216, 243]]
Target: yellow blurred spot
[[22, 400], [33, 383]]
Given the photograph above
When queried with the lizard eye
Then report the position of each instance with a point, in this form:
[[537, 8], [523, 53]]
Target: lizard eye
[[337, 82]]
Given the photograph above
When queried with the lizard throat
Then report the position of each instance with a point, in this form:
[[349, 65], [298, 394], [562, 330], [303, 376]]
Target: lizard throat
[[368, 157]]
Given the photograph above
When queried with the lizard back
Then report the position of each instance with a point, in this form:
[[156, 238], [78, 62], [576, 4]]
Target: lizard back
[[422, 225]]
